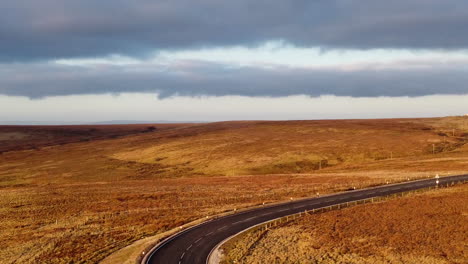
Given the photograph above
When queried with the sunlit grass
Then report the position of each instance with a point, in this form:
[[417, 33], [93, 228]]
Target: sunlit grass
[[82, 201]]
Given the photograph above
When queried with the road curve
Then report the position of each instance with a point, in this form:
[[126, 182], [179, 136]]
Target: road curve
[[195, 244]]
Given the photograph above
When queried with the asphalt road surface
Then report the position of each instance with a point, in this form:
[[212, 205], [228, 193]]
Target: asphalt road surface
[[193, 245]]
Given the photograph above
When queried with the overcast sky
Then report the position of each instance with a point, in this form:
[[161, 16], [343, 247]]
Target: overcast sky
[[88, 61]]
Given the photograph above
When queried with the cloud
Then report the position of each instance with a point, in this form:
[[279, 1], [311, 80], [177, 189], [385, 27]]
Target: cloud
[[198, 78], [49, 29]]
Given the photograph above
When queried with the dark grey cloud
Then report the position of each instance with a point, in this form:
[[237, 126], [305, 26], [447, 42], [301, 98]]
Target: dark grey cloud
[[46, 29], [195, 78]]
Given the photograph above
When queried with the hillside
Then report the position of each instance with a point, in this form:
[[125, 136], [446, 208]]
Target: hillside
[[236, 148]]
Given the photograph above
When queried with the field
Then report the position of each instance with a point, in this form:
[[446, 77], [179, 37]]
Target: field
[[424, 228], [67, 197]]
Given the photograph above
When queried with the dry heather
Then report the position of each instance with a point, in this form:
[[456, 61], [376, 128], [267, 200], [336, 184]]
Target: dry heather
[[78, 202], [426, 228], [13, 138]]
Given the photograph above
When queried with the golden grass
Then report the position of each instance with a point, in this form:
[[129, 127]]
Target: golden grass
[[285, 147], [426, 228], [82, 201]]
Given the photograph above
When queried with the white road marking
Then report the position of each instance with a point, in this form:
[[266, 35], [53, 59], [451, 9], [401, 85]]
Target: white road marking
[[181, 257], [196, 241], [189, 246]]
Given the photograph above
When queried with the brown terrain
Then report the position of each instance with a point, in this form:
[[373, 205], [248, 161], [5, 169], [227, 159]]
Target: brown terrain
[[76, 197], [425, 228], [13, 138]]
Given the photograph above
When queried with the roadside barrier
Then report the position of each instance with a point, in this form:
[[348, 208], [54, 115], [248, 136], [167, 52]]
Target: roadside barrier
[[377, 199]]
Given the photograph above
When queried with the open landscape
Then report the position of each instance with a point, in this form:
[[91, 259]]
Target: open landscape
[[78, 201], [215, 132]]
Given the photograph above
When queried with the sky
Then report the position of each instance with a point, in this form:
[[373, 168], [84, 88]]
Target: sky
[[88, 61]]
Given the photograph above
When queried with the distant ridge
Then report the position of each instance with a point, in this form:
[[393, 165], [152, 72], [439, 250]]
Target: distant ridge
[[110, 122], [125, 122]]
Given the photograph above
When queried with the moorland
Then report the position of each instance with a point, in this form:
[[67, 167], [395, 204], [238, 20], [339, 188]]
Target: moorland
[[79, 193]]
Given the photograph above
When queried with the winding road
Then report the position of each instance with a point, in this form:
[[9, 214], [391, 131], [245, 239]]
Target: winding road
[[193, 246]]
